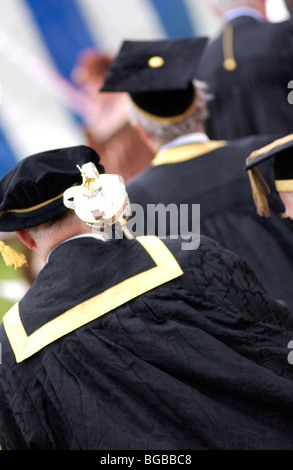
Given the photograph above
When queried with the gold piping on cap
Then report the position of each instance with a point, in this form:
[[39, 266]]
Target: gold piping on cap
[[31, 209]]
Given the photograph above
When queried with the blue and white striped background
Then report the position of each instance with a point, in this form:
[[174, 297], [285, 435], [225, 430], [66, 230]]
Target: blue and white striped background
[[39, 44]]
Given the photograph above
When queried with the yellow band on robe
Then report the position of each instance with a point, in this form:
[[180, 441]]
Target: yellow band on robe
[[284, 186], [166, 269]]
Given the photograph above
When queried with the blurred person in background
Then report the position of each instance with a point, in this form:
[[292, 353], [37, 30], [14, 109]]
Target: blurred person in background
[[107, 128], [247, 68], [279, 154]]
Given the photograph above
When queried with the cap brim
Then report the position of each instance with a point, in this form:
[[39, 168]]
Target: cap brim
[[274, 149]]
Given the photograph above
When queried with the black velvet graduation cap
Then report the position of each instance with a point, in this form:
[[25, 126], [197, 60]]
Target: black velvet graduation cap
[[31, 192], [157, 75], [281, 151]]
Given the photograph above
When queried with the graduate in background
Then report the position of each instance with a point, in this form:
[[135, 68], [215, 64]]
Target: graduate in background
[[189, 168], [248, 70]]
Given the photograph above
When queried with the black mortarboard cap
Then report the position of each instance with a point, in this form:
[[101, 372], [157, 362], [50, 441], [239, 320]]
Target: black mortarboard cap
[[281, 152], [31, 192], [157, 75]]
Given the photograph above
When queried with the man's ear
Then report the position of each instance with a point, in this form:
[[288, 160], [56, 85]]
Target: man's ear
[[26, 238]]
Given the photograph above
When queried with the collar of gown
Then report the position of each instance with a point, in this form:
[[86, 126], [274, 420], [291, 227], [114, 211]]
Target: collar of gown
[[186, 139]]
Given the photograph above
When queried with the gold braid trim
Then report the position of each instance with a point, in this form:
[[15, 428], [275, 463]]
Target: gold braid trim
[[170, 119]]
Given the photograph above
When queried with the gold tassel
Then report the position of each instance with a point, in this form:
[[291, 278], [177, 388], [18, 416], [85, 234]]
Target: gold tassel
[[258, 184], [125, 229], [259, 188], [11, 257]]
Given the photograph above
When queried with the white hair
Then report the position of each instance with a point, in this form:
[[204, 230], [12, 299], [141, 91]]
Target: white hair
[[50, 227], [161, 132], [225, 5]]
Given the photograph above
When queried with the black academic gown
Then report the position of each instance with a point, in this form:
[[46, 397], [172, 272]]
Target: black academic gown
[[135, 344], [254, 98], [212, 174]]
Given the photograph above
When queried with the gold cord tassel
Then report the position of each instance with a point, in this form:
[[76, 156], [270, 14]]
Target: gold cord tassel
[[259, 188], [229, 63], [11, 257]]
